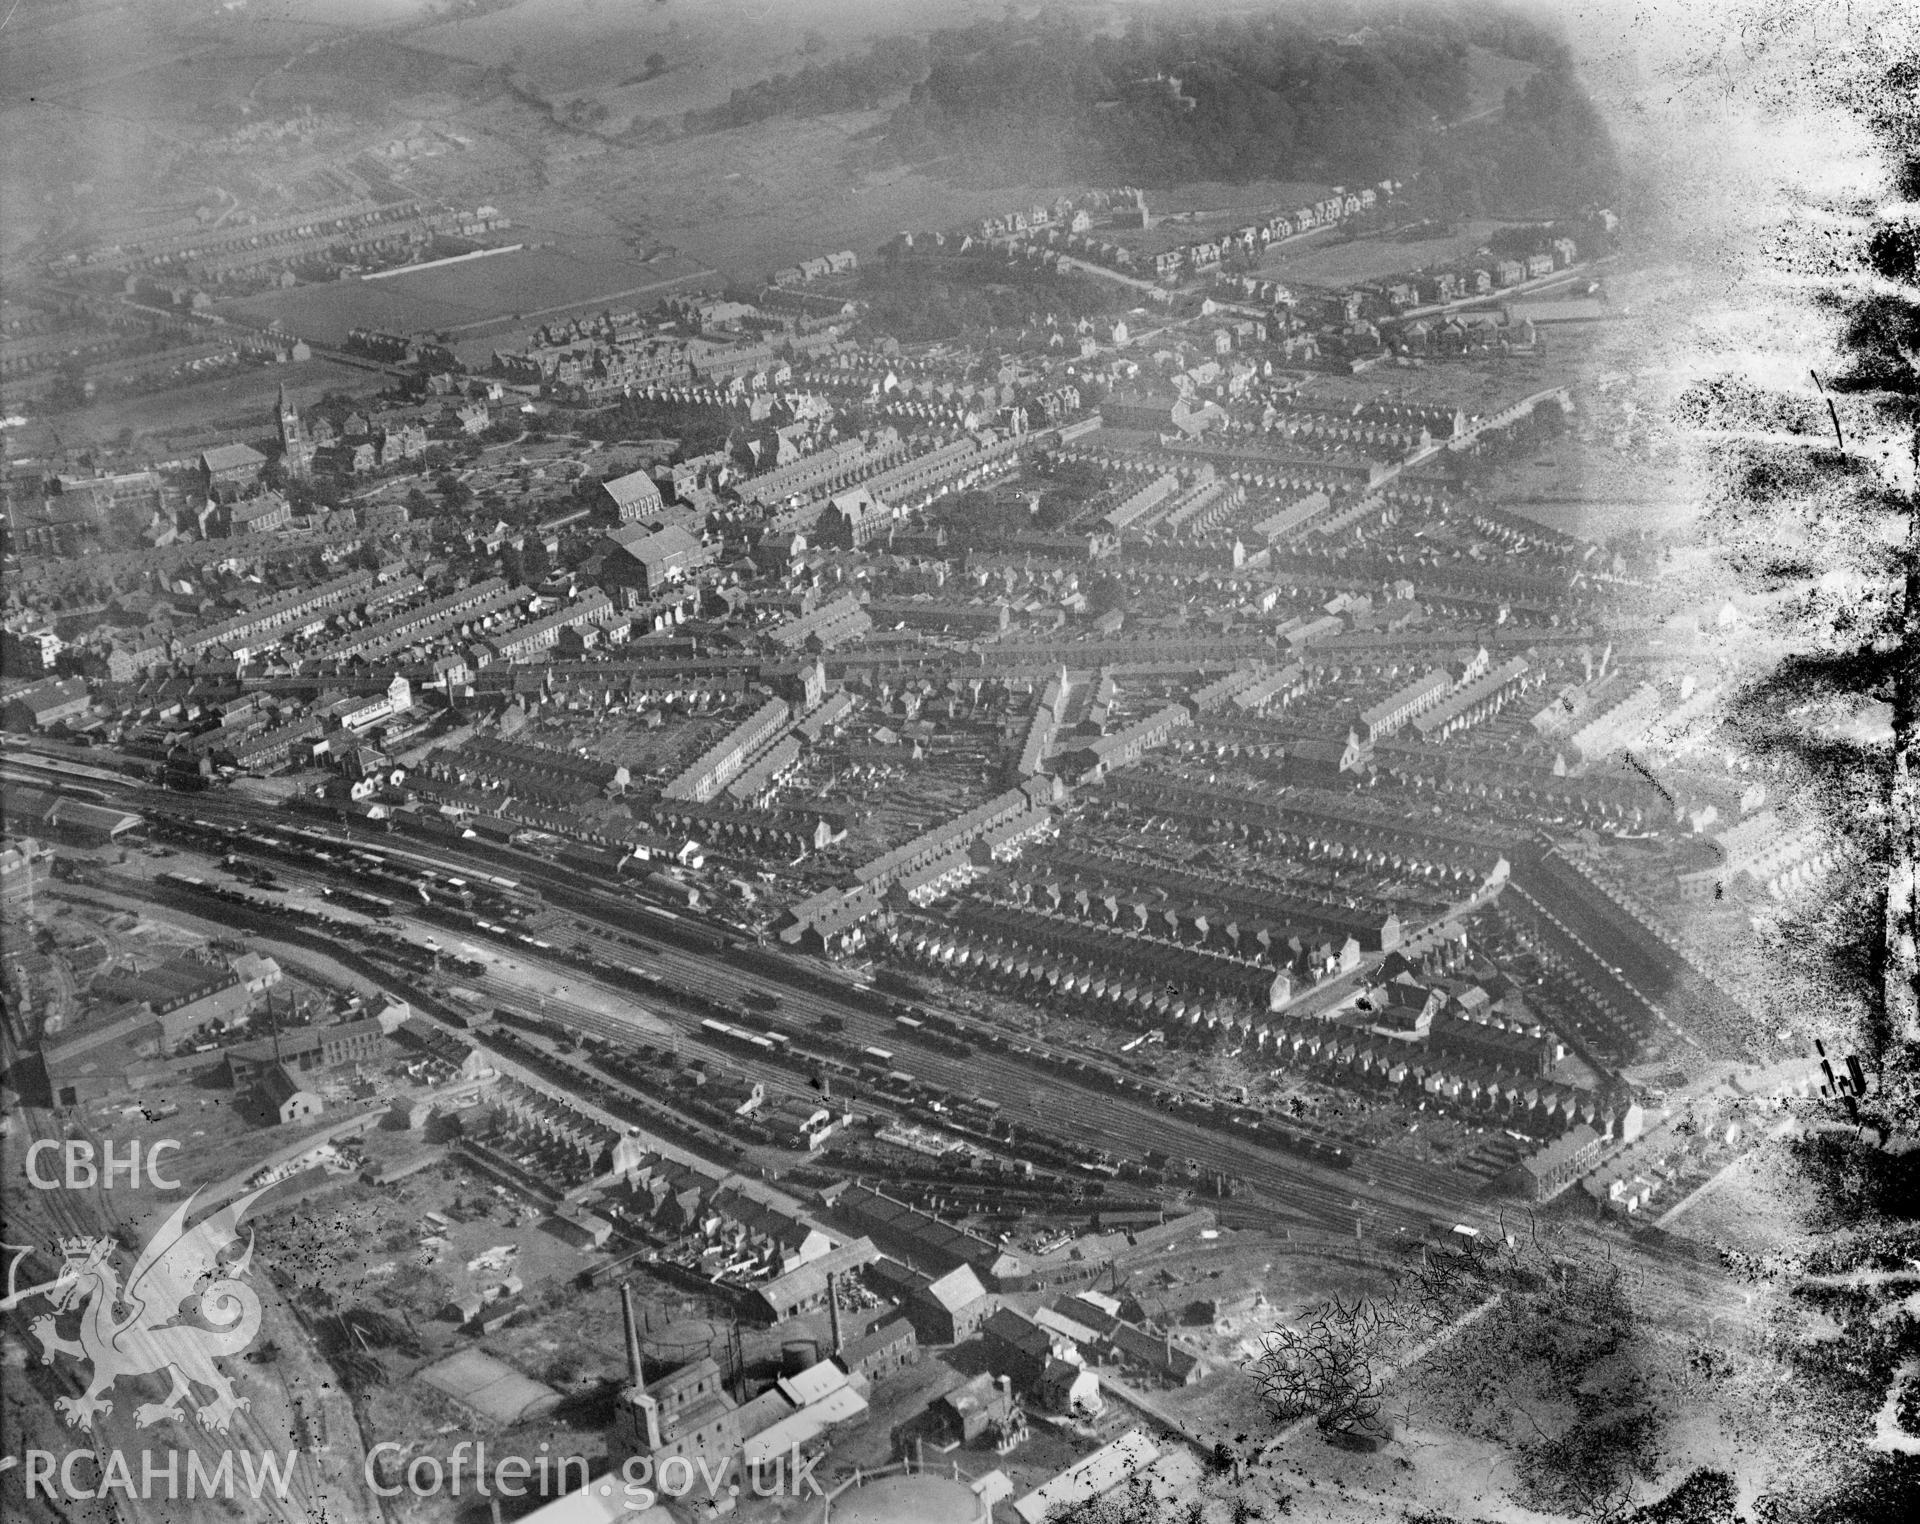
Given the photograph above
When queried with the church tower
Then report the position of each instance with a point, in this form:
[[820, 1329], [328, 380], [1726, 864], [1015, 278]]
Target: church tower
[[296, 451]]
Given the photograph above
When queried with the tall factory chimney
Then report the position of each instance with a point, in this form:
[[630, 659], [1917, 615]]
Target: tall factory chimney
[[636, 1371], [637, 1428]]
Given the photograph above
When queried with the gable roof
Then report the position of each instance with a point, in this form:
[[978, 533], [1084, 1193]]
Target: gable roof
[[809, 1281], [279, 1085], [653, 549], [1159, 1351], [972, 1395], [955, 1290], [634, 487], [231, 457], [1053, 1321], [1019, 1330], [50, 693], [880, 1336]]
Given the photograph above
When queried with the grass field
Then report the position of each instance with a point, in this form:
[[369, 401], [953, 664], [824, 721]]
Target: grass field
[[1330, 260], [752, 199], [1596, 492], [568, 47], [1490, 75], [240, 403], [502, 291]]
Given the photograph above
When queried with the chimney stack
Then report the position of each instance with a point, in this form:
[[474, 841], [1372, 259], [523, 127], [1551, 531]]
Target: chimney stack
[[646, 1437], [636, 1371], [833, 1311]]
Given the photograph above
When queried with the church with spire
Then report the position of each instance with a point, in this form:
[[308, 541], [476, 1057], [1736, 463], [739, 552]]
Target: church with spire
[[296, 450]]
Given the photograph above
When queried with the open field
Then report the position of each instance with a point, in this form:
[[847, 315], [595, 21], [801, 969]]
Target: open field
[[505, 289], [1479, 385], [1216, 203], [570, 47], [749, 200], [1490, 75], [240, 402], [1742, 1212], [1595, 490], [1186, 212], [1333, 261]]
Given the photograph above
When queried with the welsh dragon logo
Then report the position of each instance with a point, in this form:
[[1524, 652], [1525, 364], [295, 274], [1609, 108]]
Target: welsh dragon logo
[[183, 1306]]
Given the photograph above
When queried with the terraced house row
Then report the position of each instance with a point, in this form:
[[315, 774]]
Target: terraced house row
[[704, 777], [277, 614], [1023, 943], [1142, 894], [539, 772], [527, 641], [429, 621], [826, 471], [1035, 795]]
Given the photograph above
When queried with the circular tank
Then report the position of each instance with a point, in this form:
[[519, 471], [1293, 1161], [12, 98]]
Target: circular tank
[[925, 1499], [797, 1355]]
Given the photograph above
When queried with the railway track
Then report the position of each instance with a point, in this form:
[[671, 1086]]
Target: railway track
[[1386, 1197], [1112, 1123], [1382, 1194]]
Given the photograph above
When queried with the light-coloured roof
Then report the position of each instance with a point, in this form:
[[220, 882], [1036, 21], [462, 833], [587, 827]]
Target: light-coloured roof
[[813, 1384], [493, 1389], [228, 457], [1129, 1455], [921, 1499], [1066, 1327], [596, 1504], [763, 1412], [804, 1426], [634, 487], [956, 1289], [657, 547]]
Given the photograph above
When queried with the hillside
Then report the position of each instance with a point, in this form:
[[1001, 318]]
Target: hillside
[[1326, 92]]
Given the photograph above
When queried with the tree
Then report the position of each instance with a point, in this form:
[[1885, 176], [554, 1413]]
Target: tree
[[1332, 1367], [69, 388], [1704, 1497], [1590, 1468], [1550, 1359], [1508, 1339], [453, 492], [535, 563]]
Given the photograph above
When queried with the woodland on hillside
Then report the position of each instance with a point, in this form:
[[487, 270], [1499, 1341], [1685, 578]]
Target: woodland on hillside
[[1334, 93]]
